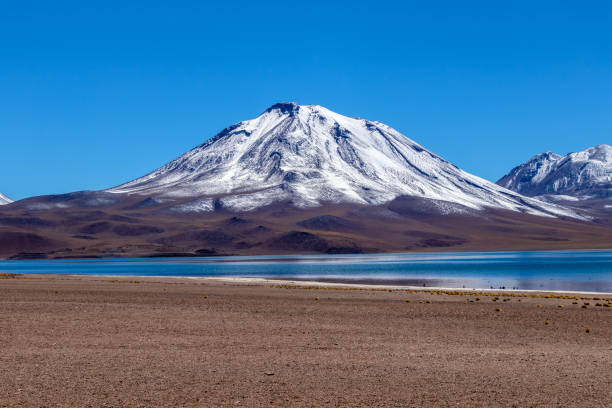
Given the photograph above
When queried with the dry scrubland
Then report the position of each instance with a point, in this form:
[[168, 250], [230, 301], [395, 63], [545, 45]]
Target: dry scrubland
[[87, 341]]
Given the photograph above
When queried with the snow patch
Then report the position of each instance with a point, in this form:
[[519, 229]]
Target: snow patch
[[556, 198], [46, 206], [196, 206]]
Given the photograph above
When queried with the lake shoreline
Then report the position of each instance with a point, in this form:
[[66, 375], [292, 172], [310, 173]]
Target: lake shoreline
[[384, 285], [373, 284]]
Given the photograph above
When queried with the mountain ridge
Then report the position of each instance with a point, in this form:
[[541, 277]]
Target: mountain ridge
[[582, 174]]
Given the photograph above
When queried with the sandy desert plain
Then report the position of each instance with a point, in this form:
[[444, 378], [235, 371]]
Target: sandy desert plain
[[97, 341]]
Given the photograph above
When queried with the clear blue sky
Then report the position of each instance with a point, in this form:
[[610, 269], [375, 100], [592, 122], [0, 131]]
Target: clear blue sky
[[93, 94]]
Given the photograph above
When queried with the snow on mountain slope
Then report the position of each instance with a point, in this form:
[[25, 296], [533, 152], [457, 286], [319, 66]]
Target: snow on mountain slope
[[309, 155], [4, 199], [582, 174]]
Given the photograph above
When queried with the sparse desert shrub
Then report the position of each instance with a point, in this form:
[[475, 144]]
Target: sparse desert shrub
[[546, 322], [408, 301], [587, 330], [538, 305], [560, 306], [584, 306]]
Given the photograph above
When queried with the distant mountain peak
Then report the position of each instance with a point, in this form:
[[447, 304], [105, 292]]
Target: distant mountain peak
[[587, 173], [308, 156], [4, 199]]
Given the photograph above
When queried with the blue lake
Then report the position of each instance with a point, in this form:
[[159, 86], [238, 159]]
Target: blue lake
[[546, 270]]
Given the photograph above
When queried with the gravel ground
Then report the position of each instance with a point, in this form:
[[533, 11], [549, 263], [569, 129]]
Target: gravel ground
[[94, 342]]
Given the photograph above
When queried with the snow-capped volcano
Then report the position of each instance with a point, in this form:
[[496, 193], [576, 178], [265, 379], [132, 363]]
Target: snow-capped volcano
[[4, 199], [586, 173], [309, 155]]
